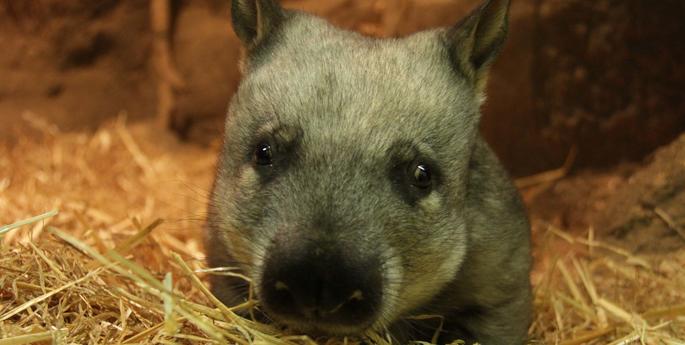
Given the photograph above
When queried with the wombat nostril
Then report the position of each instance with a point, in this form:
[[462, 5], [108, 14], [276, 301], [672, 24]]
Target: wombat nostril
[[357, 295], [281, 286]]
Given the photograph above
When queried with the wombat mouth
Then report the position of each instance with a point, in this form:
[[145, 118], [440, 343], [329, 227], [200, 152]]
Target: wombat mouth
[[317, 322], [317, 328]]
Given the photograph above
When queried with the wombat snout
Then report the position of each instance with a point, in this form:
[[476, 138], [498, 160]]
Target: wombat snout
[[321, 286]]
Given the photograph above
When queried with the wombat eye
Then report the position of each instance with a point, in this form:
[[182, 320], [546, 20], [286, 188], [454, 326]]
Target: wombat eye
[[421, 176], [263, 154]]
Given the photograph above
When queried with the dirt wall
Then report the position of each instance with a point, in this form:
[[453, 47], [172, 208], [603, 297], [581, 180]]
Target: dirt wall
[[603, 76]]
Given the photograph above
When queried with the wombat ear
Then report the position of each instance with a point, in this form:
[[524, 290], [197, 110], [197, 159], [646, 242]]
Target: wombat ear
[[254, 20], [475, 41]]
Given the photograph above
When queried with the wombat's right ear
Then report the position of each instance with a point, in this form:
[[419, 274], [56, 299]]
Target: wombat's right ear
[[476, 40], [254, 20]]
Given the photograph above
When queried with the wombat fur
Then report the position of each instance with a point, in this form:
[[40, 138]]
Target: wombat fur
[[354, 189]]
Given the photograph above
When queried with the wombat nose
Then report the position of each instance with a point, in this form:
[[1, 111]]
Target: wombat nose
[[322, 288]]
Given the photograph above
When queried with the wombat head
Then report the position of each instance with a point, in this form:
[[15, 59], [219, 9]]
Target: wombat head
[[341, 185]]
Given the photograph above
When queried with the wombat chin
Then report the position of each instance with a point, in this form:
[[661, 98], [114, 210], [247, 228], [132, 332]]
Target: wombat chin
[[318, 329]]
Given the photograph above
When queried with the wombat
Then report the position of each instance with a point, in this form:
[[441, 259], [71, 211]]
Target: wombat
[[354, 189]]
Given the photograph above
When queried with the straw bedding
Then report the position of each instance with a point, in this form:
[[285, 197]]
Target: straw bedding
[[119, 261]]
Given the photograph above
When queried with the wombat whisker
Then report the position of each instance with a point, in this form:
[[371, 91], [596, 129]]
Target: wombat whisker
[[195, 191], [407, 326], [240, 264], [198, 218]]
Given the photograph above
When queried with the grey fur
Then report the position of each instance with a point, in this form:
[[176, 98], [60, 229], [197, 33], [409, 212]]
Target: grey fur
[[341, 111]]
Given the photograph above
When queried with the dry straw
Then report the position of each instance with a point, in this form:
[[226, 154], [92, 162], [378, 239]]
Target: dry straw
[[107, 270]]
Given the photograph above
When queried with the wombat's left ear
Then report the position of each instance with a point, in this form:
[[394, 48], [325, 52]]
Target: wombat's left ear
[[254, 20], [475, 41]]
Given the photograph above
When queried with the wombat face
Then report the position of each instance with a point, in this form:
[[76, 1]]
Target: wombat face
[[341, 185]]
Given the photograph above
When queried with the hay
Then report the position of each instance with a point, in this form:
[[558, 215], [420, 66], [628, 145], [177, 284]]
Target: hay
[[107, 270], [591, 292]]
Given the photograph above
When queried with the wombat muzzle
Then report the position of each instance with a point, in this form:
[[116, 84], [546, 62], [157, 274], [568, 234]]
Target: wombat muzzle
[[318, 285]]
